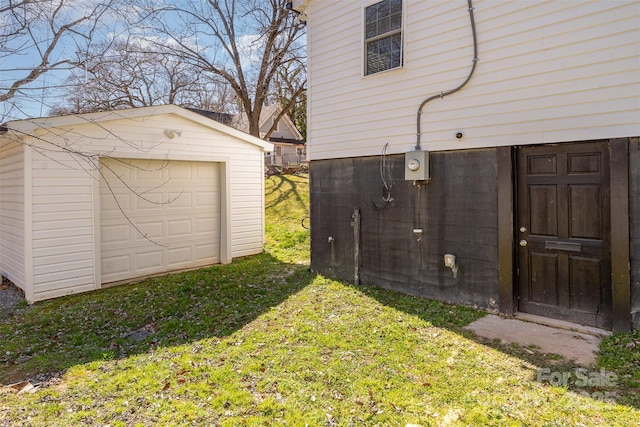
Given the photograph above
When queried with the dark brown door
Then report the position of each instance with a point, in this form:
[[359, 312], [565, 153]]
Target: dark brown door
[[563, 232]]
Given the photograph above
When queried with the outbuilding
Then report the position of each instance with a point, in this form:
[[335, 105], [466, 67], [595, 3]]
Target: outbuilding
[[95, 199]]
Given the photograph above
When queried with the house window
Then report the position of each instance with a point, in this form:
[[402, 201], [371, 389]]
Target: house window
[[383, 36]]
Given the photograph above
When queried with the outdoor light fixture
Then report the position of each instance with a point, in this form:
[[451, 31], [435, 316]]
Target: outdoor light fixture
[[172, 133], [450, 262]]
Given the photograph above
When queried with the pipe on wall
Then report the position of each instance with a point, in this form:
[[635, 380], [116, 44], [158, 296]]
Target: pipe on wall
[[452, 91]]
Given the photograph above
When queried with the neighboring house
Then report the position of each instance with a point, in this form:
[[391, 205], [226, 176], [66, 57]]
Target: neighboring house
[[93, 199], [289, 145], [534, 177]]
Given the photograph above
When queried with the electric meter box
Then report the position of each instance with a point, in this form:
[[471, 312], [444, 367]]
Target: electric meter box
[[416, 166]]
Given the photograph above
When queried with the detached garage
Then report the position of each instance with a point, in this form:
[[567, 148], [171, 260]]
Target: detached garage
[[95, 199]]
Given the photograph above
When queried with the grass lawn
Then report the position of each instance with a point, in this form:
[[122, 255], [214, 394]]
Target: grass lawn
[[263, 341]]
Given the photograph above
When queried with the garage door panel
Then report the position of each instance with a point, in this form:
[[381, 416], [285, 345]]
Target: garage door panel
[[181, 173], [206, 173], [180, 256], [115, 234], [206, 198], [153, 230], [206, 225], [179, 200], [146, 172], [109, 206], [180, 227], [167, 236], [148, 260], [116, 264], [148, 201], [206, 251]]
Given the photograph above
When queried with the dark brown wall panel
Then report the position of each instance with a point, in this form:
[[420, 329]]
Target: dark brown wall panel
[[456, 211]]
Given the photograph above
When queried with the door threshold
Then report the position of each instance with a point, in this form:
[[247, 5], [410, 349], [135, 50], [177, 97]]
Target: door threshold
[[562, 324]]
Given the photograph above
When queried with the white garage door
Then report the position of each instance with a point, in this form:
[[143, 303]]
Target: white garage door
[[158, 216]]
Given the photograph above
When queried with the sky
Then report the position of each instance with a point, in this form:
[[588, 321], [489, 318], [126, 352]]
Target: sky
[[37, 98], [19, 55]]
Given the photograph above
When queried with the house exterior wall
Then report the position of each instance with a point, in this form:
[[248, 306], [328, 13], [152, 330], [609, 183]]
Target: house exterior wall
[[548, 72], [285, 154], [65, 194], [457, 213], [12, 213]]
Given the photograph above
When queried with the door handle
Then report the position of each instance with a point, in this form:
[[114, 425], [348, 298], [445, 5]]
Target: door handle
[[523, 243]]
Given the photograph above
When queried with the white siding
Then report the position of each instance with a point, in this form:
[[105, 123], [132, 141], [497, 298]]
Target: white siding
[[549, 71], [63, 241], [65, 192], [12, 225]]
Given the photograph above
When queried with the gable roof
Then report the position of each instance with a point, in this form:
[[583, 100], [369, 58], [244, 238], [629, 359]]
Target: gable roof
[[224, 118], [268, 112], [30, 126]]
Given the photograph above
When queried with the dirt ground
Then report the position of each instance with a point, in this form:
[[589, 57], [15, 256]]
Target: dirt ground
[[10, 297]]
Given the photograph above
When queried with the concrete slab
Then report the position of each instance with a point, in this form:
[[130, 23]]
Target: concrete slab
[[572, 345]]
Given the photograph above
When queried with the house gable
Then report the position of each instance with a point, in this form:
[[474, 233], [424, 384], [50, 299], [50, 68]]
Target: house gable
[[286, 129]]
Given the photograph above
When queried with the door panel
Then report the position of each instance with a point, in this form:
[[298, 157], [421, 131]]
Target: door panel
[[581, 287], [157, 216], [585, 198], [563, 230], [543, 276], [543, 214]]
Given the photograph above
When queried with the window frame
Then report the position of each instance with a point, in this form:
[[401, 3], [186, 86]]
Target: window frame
[[366, 40]]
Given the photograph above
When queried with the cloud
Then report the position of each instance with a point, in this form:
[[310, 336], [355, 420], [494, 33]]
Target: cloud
[[250, 47]]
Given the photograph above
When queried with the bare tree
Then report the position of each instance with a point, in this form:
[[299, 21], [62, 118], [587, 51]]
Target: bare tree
[[40, 38], [286, 88], [241, 42], [36, 37], [124, 74], [244, 42]]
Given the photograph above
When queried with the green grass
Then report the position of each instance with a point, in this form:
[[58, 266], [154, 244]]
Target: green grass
[[263, 341], [620, 353], [286, 216]]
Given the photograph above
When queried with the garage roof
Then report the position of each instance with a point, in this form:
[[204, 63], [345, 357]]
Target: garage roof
[[29, 126]]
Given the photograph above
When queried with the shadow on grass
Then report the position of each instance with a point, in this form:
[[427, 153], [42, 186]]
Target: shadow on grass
[[439, 314], [287, 192], [49, 337], [607, 382]]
